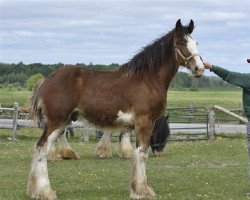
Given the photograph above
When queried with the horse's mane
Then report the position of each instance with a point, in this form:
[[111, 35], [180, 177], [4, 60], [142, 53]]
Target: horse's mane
[[151, 57]]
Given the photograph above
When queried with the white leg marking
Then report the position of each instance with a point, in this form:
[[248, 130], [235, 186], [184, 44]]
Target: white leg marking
[[139, 186], [140, 159], [53, 154], [125, 147], [65, 150], [103, 148], [38, 183]]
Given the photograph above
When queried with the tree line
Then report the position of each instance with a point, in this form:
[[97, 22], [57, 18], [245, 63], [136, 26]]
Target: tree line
[[20, 73]]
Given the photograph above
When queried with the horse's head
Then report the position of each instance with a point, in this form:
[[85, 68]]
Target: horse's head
[[185, 47]]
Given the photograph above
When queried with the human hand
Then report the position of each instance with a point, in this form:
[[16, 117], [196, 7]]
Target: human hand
[[207, 65]]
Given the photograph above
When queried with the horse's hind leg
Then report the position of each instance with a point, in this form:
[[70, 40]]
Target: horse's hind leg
[[139, 186], [103, 148], [65, 150], [38, 186], [125, 147], [54, 154]]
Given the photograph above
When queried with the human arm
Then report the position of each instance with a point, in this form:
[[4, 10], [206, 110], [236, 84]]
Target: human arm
[[235, 78]]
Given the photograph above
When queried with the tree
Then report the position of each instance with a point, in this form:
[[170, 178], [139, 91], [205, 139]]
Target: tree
[[33, 81]]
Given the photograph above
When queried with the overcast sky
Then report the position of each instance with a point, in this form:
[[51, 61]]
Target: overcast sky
[[105, 32]]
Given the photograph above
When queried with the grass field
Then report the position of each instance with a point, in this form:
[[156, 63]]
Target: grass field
[[9, 97], [189, 170], [226, 97]]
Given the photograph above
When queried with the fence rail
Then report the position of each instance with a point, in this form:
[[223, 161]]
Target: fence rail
[[192, 123], [183, 118]]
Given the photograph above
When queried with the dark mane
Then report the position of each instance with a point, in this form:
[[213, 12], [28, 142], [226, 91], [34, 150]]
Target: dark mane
[[151, 57]]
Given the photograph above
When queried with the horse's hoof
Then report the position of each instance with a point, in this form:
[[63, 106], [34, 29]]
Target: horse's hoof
[[69, 154], [158, 153], [46, 194], [143, 193], [103, 156], [127, 155], [55, 157]]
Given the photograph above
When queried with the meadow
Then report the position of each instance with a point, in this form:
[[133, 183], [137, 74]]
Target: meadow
[[225, 97], [189, 170]]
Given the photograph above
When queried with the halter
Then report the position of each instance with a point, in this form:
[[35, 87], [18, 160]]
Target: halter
[[186, 59]]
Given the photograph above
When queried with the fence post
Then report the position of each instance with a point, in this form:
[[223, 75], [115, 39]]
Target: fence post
[[211, 123], [191, 111], [15, 117], [1, 111]]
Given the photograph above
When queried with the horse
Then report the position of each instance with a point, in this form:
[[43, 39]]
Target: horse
[[134, 94]]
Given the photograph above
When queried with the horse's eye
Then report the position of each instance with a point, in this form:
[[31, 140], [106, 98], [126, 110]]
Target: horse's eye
[[197, 43]]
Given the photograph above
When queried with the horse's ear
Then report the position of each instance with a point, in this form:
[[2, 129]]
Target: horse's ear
[[178, 24], [190, 26]]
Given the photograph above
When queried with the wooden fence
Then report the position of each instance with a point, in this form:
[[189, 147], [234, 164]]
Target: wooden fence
[[16, 116], [203, 121]]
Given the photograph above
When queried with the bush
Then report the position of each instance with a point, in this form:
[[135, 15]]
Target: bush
[[10, 87], [33, 81]]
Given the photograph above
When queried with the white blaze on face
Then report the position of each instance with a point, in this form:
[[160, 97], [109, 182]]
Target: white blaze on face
[[127, 118], [192, 47]]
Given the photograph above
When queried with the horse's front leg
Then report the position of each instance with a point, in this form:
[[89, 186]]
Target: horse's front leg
[[139, 185]]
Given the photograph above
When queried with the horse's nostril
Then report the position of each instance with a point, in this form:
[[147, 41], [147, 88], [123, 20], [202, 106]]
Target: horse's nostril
[[196, 68]]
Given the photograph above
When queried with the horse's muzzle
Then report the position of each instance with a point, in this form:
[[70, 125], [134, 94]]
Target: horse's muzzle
[[198, 72]]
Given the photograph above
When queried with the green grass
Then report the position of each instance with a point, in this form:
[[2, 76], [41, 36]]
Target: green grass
[[228, 97], [189, 170], [9, 97], [205, 98]]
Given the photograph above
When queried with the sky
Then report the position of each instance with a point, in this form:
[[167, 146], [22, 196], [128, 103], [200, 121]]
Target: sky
[[113, 31]]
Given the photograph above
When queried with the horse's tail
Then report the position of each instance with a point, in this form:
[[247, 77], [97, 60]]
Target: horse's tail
[[36, 109]]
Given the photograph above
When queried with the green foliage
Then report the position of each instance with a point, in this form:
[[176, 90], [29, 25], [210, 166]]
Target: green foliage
[[19, 73], [33, 81]]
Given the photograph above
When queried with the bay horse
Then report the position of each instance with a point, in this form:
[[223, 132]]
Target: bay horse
[[136, 93]]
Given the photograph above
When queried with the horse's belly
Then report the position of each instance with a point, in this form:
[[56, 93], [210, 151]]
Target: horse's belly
[[108, 120]]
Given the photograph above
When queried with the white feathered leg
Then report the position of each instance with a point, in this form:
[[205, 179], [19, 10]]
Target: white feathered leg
[[125, 147], [38, 186], [103, 148]]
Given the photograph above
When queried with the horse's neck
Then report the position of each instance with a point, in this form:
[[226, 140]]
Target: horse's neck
[[166, 75]]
